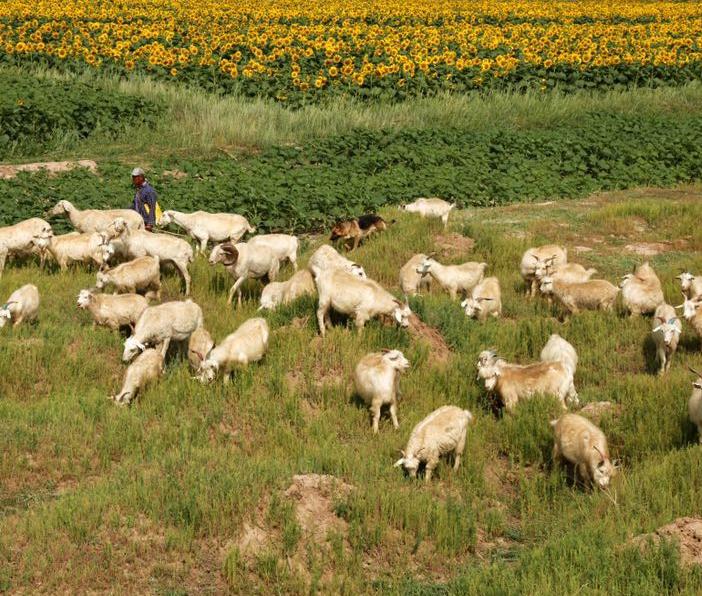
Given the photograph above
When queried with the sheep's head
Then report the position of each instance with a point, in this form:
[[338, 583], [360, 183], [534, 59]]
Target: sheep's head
[[207, 372], [115, 228], [670, 329], [165, 219], [5, 314], [685, 280], [425, 266], [225, 253], [544, 267], [486, 357], [60, 208], [132, 347], [41, 241], [546, 286], [626, 279], [409, 462], [697, 383], [474, 306], [84, 298], [107, 251], [602, 469], [401, 314], [270, 296], [689, 307], [358, 271], [396, 359], [101, 280]]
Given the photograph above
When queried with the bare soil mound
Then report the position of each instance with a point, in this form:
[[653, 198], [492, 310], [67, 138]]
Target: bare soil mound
[[440, 350], [686, 532], [52, 167]]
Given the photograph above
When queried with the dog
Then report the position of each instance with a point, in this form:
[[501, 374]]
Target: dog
[[353, 231]]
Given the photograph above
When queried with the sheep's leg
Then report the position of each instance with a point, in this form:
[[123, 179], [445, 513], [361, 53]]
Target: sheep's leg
[[234, 289], [375, 410], [452, 293], [444, 219], [556, 454], [273, 271], [429, 470], [322, 311], [572, 395], [203, 244], [393, 415], [361, 320], [18, 320], [458, 452], [293, 260], [3, 259], [164, 347], [226, 379], [183, 270]]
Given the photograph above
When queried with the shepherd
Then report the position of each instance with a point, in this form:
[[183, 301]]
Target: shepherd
[[145, 199]]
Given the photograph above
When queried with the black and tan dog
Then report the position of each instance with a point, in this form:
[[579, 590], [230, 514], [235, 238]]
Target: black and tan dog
[[355, 230]]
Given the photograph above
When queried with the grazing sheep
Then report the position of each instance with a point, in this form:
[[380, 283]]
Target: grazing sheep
[[584, 445], [245, 262], [642, 292], [694, 404], [73, 248], [113, 251], [377, 381], [453, 278], [359, 298], [22, 305], [666, 334], [412, 282], [283, 246], [432, 207], [199, 345], [558, 349], [569, 273], [326, 257], [206, 227], [485, 300], [247, 344], [595, 294], [96, 220], [146, 368], [440, 433], [279, 293], [18, 239], [552, 254], [140, 275], [113, 310], [690, 285], [161, 324]]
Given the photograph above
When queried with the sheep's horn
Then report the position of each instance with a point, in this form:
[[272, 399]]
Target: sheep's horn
[[692, 370], [598, 451], [198, 354]]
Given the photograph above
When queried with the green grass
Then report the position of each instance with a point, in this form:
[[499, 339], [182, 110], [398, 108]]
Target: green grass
[[154, 498]]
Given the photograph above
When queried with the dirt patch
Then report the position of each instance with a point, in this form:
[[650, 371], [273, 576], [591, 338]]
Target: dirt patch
[[648, 249], [300, 322], [453, 244], [51, 167], [685, 531], [175, 174], [582, 249], [440, 351], [597, 409]]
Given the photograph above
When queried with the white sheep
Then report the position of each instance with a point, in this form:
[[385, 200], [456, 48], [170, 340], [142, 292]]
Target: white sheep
[[377, 382], [666, 334], [247, 344], [206, 227], [693, 313], [453, 278], [558, 349], [199, 345], [146, 368], [694, 404], [326, 257], [279, 293], [283, 246], [161, 324], [21, 306], [565, 272], [552, 254], [411, 282], [442, 432], [431, 207], [690, 285], [359, 298], [113, 310], [18, 239], [96, 220], [594, 294], [73, 248], [642, 292], [140, 275], [584, 445], [485, 300]]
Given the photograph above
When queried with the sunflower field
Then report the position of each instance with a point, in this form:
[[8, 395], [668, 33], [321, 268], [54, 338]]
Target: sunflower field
[[296, 52]]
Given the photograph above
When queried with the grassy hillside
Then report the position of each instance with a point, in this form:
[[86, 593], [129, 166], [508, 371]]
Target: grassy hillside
[[185, 492]]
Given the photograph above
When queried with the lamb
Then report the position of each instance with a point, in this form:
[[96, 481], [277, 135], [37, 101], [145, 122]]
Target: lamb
[[204, 227], [692, 313], [580, 442], [666, 334], [22, 305], [280, 293], [432, 207], [359, 298], [642, 292], [96, 220], [73, 248], [485, 300], [139, 275], [594, 294], [19, 239], [454, 278], [283, 246], [411, 282], [113, 310], [440, 433], [377, 382], [161, 324], [247, 344], [326, 257], [244, 262], [694, 404], [558, 349], [690, 285], [199, 345], [514, 382], [146, 368], [551, 253]]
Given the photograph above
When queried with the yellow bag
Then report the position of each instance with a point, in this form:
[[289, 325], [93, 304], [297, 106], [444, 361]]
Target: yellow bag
[[159, 213]]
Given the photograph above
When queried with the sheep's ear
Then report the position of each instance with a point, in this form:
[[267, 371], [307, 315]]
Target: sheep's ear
[[697, 385], [553, 422], [657, 329], [399, 462]]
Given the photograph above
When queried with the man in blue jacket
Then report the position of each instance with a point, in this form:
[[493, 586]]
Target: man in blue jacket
[[144, 198]]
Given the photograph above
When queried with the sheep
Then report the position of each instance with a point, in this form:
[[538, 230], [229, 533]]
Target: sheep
[[440, 433], [566, 272], [411, 282], [139, 275], [359, 298], [584, 445], [485, 300], [280, 293], [642, 292], [96, 220], [283, 246], [22, 305], [514, 382], [432, 207], [453, 278], [692, 313], [558, 349], [140, 243], [113, 310], [666, 334], [146, 368], [326, 257], [247, 344], [694, 404], [594, 294], [244, 262], [19, 239], [690, 285], [113, 250], [377, 382], [551, 253], [161, 324], [204, 227], [73, 248], [199, 345]]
